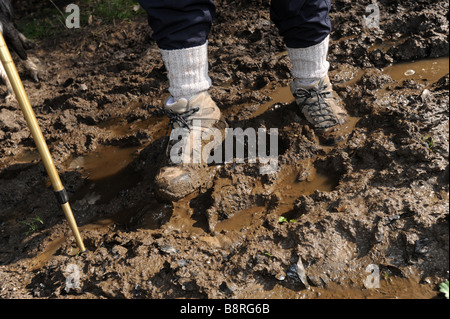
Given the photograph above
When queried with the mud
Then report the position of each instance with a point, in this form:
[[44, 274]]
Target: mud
[[379, 197]]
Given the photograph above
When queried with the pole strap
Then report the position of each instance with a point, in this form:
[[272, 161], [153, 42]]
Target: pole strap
[[62, 196]]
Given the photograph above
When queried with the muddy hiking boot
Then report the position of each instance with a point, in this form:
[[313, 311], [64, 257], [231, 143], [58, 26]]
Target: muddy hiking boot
[[321, 107], [184, 168]]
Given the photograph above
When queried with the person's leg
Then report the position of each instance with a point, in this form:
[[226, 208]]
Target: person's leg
[[181, 29], [305, 27]]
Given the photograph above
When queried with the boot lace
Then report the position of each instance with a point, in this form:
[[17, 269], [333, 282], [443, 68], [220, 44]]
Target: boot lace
[[315, 105], [179, 118], [182, 119]]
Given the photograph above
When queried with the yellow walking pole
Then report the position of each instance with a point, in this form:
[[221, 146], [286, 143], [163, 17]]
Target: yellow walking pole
[[33, 125]]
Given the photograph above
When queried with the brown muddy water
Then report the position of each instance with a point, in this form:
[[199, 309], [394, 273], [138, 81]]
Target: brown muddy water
[[425, 71], [389, 288]]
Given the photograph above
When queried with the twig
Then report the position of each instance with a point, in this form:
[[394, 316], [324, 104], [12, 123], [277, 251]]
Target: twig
[[62, 14]]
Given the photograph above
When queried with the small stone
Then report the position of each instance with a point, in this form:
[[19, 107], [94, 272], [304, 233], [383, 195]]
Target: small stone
[[168, 249]]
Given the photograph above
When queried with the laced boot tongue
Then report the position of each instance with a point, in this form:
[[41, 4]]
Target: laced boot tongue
[[179, 112], [175, 111], [317, 103], [179, 106]]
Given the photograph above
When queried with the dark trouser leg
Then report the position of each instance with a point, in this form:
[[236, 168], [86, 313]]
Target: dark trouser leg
[[302, 23], [179, 24], [305, 27], [181, 29]]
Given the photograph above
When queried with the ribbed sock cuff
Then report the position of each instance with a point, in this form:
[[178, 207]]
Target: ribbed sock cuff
[[187, 71], [310, 64]]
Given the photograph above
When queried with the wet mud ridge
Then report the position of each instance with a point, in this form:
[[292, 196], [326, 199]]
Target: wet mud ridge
[[317, 228]]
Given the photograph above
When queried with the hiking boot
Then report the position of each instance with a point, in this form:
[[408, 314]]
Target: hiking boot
[[185, 169], [321, 106]]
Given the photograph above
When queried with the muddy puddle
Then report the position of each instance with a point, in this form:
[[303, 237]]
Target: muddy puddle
[[104, 162], [278, 97], [389, 288], [425, 71]]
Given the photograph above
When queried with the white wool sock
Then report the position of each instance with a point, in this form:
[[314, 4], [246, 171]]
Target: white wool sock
[[187, 71], [310, 64]]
